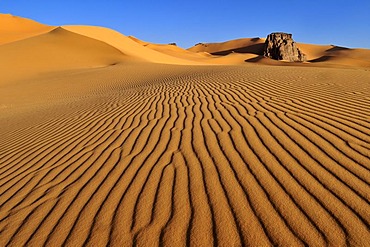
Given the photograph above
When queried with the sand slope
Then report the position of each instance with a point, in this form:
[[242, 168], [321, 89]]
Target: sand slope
[[101, 145], [317, 55], [127, 45], [175, 51], [57, 50], [245, 45], [15, 28]]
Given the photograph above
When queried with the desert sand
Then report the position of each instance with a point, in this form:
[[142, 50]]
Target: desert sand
[[110, 140]]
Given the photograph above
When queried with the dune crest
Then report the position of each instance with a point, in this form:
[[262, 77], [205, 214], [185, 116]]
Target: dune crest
[[127, 45], [15, 28], [57, 50], [175, 51]]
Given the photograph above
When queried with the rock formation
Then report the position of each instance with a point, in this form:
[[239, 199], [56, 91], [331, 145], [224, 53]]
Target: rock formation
[[281, 46]]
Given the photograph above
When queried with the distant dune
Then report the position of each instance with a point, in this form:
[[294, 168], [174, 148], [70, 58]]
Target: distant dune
[[126, 45], [318, 55], [108, 140], [175, 51], [246, 45]]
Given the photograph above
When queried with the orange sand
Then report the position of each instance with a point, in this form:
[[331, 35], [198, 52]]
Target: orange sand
[[109, 140]]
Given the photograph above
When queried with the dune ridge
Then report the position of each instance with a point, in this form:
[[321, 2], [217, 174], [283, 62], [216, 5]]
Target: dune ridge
[[244, 45], [107, 140], [15, 28], [57, 50], [128, 46]]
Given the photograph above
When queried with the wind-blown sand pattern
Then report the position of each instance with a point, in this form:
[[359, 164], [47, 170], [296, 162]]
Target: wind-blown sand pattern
[[190, 155], [137, 153]]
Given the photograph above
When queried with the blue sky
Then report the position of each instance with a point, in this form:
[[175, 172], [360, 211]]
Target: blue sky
[[341, 22]]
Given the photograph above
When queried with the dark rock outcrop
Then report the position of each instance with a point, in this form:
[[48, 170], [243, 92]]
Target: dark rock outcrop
[[202, 44], [281, 46]]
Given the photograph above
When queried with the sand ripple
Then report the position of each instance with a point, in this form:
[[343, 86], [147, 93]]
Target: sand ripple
[[184, 155]]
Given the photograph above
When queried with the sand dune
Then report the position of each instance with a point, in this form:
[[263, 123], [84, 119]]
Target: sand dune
[[15, 28], [313, 51], [317, 55], [102, 145], [58, 50], [175, 51], [202, 55], [128, 46], [245, 45]]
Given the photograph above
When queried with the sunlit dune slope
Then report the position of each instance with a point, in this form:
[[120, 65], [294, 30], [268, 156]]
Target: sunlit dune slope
[[127, 45], [175, 51], [226, 58], [245, 45], [57, 50], [313, 51], [333, 56], [13, 28]]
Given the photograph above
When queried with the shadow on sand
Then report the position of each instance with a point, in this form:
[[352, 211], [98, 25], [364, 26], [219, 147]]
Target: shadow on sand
[[254, 49]]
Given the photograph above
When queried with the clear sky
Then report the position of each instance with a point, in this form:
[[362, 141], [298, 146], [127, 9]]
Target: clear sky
[[187, 22]]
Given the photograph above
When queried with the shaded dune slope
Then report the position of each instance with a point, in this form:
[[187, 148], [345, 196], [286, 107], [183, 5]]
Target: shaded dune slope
[[179, 155]]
